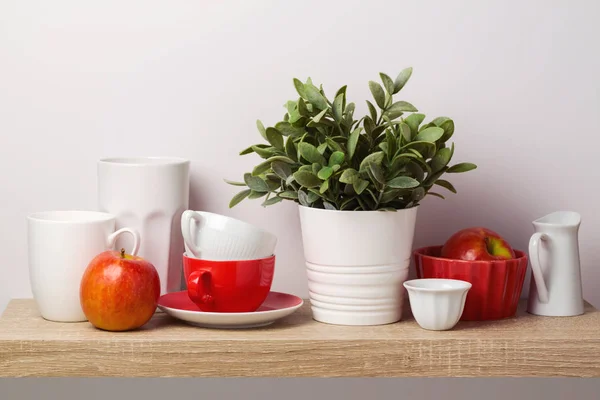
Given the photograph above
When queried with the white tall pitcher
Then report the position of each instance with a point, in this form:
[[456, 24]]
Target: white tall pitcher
[[555, 287], [149, 194]]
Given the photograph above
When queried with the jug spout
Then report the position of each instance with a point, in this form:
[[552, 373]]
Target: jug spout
[[559, 218]]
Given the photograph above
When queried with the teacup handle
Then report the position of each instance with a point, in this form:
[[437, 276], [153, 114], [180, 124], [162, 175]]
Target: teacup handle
[[112, 238], [536, 268], [187, 231], [199, 285]]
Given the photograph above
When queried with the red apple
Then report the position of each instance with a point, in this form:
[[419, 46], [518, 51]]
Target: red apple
[[477, 243], [119, 291]]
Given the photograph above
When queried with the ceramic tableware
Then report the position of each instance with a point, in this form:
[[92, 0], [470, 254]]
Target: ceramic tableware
[[497, 284], [213, 236], [60, 246], [228, 286], [437, 304], [276, 306], [555, 287], [149, 194]]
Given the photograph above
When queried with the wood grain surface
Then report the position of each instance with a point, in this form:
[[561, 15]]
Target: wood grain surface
[[298, 346]]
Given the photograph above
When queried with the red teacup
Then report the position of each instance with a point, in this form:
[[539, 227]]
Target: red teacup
[[228, 286]]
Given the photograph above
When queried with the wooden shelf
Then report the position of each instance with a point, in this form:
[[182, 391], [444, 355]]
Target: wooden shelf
[[298, 346]]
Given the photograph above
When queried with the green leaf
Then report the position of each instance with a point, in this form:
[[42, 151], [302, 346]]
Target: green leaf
[[352, 141], [306, 179], [392, 209], [360, 185], [441, 159], [372, 110], [440, 120], [261, 129], [401, 79], [255, 183], [300, 88], [264, 152], [445, 184], [333, 145], [312, 196], [281, 169], [317, 118], [239, 197], [390, 140], [310, 153], [315, 97], [315, 168], [398, 108], [430, 134], [403, 182], [418, 194], [256, 195], [436, 195], [413, 121], [322, 147], [377, 172], [448, 127], [288, 194], [284, 159], [290, 149], [349, 176], [325, 173], [324, 186], [375, 158], [387, 82], [338, 107], [336, 158], [275, 138], [384, 146], [261, 168], [378, 93], [303, 198], [271, 201], [328, 206], [406, 131], [302, 109], [286, 129], [461, 167], [391, 194], [234, 183]]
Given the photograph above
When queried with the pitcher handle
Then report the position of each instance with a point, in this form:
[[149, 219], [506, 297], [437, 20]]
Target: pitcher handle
[[536, 268]]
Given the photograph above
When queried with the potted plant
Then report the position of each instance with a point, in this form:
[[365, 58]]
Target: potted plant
[[358, 184]]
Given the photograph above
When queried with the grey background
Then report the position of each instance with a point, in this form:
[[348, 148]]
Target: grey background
[[302, 389]]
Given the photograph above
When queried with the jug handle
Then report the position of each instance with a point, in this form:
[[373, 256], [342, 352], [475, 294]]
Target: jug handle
[[536, 268]]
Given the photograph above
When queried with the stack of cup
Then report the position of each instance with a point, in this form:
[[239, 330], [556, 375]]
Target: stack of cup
[[228, 263]]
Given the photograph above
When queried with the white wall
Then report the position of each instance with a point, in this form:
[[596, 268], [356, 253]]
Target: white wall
[[81, 80]]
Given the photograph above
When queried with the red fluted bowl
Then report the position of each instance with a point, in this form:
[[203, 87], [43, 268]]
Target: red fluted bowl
[[497, 285]]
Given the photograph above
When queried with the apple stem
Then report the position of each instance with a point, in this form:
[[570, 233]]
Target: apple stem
[[122, 253]]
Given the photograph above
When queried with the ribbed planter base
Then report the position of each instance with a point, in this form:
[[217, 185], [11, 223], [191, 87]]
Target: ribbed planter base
[[365, 295]]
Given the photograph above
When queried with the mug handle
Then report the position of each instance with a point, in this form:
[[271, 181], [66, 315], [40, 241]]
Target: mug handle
[[199, 285], [536, 267], [112, 238], [187, 231]]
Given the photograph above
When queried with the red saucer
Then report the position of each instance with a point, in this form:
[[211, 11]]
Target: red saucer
[[277, 305]]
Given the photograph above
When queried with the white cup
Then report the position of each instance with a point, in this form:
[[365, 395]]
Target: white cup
[[211, 236], [60, 246], [437, 304]]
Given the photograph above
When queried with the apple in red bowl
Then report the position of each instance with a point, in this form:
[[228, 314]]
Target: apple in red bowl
[[486, 260]]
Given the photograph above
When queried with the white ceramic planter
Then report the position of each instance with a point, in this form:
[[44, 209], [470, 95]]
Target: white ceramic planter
[[356, 263]]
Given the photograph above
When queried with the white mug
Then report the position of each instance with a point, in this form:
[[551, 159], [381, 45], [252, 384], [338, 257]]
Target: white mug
[[60, 246], [149, 194], [211, 236]]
